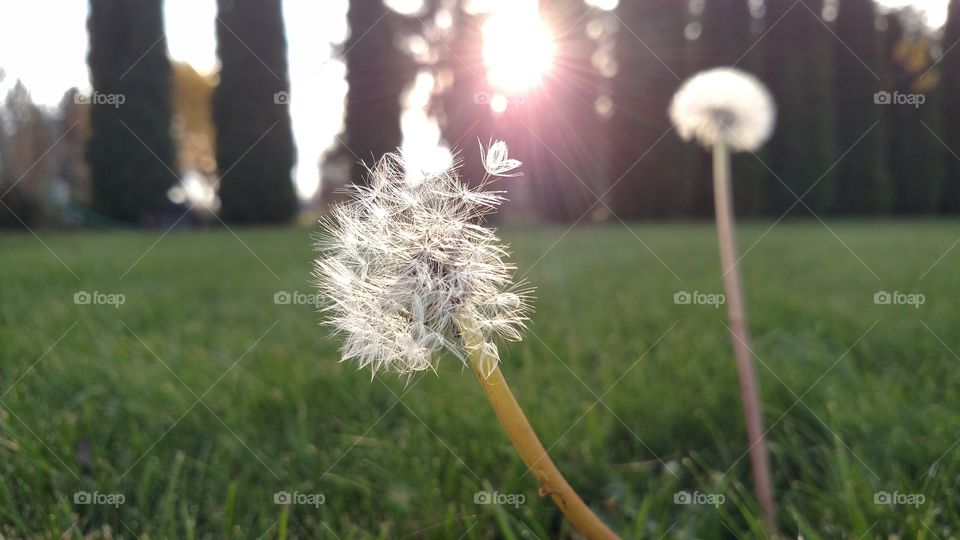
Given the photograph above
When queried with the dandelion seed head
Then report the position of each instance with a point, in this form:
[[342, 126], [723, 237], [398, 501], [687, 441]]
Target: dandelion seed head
[[724, 105], [402, 262]]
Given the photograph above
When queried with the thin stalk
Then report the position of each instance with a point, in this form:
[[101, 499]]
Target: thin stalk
[[740, 335], [526, 442]]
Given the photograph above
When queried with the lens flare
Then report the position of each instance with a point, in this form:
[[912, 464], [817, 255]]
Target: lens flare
[[518, 47]]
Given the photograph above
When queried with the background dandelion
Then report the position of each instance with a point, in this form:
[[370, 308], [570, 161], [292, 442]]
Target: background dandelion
[[726, 109]]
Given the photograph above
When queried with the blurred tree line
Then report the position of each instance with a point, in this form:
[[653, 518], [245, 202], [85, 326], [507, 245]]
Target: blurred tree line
[[596, 140], [595, 137]]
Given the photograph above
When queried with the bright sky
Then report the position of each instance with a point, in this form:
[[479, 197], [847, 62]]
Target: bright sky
[[935, 10], [49, 55]]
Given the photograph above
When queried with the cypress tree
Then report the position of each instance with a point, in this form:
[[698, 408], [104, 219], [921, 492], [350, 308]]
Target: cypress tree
[[934, 156], [864, 186], [254, 142], [950, 68], [799, 68], [916, 158], [648, 75], [725, 32], [130, 150], [378, 71]]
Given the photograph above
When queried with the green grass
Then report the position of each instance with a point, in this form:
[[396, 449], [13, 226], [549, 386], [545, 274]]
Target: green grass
[[113, 406]]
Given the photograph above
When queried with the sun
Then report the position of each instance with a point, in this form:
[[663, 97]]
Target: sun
[[518, 47]]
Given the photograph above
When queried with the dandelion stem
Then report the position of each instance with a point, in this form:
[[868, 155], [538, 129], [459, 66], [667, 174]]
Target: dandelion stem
[[736, 311], [526, 442]]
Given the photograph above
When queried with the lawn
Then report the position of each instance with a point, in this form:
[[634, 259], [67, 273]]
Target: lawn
[[188, 407]]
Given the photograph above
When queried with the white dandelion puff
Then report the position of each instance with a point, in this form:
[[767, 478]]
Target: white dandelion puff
[[724, 106], [403, 263]]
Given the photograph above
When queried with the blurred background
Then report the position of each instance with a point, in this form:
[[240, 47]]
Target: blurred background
[[188, 112]]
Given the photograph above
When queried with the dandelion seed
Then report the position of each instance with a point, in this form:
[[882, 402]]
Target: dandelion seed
[[496, 162]]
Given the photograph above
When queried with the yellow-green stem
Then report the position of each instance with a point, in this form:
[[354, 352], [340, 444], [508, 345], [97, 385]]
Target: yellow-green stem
[[526, 442]]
